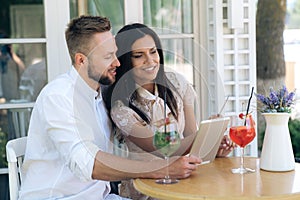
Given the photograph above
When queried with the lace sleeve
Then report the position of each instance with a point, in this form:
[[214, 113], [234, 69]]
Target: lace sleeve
[[189, 96], [125, 118], [183, 87]]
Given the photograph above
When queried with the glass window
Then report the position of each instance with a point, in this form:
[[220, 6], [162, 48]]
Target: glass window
[[22, 50], [171, 19], [178, 55], [169, 16], [113, 9], [22, 66], [22, 19], [22, 71]]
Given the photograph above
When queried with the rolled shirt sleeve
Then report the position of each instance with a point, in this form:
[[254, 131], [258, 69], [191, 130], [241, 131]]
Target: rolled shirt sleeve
[[83, 168]]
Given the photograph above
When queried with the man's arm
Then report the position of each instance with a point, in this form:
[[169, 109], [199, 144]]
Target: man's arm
[[111, 168]]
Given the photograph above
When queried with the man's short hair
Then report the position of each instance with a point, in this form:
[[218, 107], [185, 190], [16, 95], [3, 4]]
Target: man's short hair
[[80, 32]]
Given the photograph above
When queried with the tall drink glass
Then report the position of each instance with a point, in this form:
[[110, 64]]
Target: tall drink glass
[[166, 140], [242, 133]]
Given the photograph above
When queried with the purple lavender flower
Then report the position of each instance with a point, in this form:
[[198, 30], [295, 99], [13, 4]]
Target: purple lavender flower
[[274, 98], [290, 99], [263, 99], [277, 101], [282, 92]]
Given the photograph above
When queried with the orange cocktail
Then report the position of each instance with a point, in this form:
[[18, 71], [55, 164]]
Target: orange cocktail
[[242, 135]]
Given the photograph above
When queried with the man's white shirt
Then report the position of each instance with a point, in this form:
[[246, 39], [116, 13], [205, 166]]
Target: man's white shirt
[[68, 126]]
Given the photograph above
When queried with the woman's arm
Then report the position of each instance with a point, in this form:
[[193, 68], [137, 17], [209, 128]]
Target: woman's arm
[[139, 132], [142, 136], [190, 127]]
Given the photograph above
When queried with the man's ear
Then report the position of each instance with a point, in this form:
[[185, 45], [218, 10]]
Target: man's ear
[[80, 59]]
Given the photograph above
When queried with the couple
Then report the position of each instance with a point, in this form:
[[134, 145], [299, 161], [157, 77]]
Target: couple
[[69, 149]]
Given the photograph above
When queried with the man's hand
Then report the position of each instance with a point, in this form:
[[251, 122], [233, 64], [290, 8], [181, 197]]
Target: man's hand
[[183, 166]]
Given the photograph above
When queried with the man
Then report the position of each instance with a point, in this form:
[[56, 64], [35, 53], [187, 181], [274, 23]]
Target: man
[[68, 153]]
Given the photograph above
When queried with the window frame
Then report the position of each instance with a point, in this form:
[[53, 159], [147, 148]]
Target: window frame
[[58, 60], [57, 57]]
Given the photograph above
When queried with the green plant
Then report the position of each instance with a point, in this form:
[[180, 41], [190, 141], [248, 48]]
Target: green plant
[[294, 127], [3, 141]]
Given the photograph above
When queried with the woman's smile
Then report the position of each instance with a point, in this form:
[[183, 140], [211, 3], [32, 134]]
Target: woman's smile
[[150, 69]]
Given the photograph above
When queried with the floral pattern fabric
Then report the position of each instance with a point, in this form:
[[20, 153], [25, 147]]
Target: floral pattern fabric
[[152, 106]]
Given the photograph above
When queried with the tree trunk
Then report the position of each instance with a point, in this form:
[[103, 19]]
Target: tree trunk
[[270, 24], [270, 21]]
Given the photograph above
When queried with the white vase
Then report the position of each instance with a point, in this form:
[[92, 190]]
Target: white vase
[[277, 152]]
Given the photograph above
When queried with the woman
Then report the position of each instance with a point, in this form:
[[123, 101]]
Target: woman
[[144, 93]]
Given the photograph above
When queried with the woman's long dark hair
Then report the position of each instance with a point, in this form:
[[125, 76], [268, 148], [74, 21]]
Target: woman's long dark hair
[[124, 88]]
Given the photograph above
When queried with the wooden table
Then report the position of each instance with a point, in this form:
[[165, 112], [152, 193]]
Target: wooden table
[[215, 181]]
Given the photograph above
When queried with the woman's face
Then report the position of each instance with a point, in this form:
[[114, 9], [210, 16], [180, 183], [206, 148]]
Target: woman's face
[[145, 60]]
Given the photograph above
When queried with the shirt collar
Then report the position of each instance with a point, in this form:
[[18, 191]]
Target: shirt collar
[[83, 86], [146, 94]]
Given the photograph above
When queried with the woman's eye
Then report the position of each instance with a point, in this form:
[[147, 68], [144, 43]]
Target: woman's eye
[[136, 56], [154, 51]]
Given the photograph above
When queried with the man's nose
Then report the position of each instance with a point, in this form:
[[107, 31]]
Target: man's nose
[[116, 62]]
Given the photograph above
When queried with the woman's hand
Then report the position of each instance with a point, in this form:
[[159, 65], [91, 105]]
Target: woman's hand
[[226, 147]]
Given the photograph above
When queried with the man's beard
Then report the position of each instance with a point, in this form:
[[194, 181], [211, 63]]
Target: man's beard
[[104, 80]]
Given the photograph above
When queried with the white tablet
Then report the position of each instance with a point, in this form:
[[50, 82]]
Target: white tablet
[[208, 138]]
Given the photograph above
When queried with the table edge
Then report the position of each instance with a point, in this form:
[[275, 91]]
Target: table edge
[[146, 189]]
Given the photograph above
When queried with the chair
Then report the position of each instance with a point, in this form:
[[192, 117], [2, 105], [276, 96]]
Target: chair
[[20, 118], [15, 150]]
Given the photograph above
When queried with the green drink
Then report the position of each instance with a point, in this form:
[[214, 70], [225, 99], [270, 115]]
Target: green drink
[[166, 142]]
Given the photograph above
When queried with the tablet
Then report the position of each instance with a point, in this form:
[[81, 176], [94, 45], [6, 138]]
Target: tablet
[[208, 138]]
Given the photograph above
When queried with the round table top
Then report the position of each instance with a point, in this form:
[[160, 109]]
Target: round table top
[[215, 181]]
